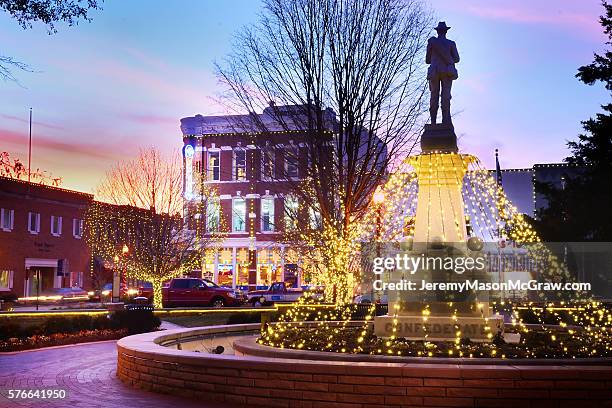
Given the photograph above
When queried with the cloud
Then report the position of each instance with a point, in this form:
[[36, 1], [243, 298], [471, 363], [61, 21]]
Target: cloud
[[34, 122], [102, 151], [151, 119], [530, 16], [579, 16]]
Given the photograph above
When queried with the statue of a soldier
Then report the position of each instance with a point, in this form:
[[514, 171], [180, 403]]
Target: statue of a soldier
[[441, 56]]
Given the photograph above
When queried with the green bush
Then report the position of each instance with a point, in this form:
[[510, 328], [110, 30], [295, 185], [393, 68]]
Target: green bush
[[135, 321], [9, 330], [243, 318]]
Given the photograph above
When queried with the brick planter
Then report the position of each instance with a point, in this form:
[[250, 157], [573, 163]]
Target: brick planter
[[269, 381]]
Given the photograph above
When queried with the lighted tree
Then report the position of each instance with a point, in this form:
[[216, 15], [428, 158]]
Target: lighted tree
[[350, 77], [142, 209]]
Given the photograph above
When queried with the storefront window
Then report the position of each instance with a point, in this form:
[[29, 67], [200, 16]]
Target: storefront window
[[6, 278]]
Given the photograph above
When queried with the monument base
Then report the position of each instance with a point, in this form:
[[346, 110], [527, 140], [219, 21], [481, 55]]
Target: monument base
[[439, 328], [439, 138]]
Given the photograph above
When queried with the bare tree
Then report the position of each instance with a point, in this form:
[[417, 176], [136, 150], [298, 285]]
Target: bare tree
[[48, 12], [14, 168], [348, 74], [143, 210]]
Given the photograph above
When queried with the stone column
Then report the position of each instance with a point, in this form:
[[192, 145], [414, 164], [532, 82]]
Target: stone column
[[234, 268], [216, 267]]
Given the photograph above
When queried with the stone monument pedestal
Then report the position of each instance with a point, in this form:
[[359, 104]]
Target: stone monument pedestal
[[438, 328], [439, 137]]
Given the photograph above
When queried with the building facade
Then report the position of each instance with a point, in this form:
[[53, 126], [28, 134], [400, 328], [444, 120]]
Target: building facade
[[252, 173], [520, 184], [41, 238]]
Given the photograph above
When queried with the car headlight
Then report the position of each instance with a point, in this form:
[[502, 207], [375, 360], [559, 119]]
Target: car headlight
[[106, 292], [231, 294], [90, 293], [132, 291]]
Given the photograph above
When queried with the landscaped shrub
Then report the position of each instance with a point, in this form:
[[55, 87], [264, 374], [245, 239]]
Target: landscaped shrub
[[9, 330], [243, 318], [135, 321]]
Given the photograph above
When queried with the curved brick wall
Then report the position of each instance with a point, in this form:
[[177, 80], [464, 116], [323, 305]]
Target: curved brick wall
[[265, 382]]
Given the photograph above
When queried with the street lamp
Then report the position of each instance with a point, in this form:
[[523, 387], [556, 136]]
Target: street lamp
[[123, 277], [379, 196], [116, 281], [378, 199]]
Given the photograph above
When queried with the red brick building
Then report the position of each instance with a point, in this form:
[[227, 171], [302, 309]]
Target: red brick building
[[41, 234], [253, 172]]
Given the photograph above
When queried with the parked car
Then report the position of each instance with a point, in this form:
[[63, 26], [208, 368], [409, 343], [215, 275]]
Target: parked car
[[278, 292], [96, 295], [57, 295], [366, 298], [105, 293], [197, 292], [101, 295], [146, 290], [73, 294]]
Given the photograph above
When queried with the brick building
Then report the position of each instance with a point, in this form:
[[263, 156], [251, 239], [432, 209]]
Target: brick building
[[41, 234], [253, 172], [520, 184]]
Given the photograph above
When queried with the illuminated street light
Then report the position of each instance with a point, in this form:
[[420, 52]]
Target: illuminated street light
[[379, 196]]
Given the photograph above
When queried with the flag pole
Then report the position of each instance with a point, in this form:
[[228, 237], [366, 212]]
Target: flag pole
[[30, 149]]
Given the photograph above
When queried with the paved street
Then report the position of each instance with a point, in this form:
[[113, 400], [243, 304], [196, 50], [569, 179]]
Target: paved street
[[86, 372]]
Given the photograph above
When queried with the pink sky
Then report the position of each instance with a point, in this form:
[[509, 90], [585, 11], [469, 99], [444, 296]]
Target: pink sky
[[104, 89]]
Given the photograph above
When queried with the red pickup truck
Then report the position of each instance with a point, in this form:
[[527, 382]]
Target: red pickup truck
[[197, 292]]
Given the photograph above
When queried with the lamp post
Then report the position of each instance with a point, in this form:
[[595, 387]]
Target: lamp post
[[116, 280], [124, 253], [252, 254], [378, 199]]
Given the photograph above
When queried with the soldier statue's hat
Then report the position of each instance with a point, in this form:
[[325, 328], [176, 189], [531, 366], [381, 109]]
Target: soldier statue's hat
[[442, 26]]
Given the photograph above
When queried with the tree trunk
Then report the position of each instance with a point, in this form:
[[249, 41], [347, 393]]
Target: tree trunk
[[157, 293]]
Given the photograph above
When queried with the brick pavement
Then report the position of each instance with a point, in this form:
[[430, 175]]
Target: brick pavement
[[87, 372]]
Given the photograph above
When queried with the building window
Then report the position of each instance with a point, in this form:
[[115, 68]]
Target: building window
[[267, 214], [33, 223], [56, 226], [267, 164], [239, 215], [213, 209], [214, 166], [291, 212], [7, 219], [6, 279], [77, 228], [314, 217], [76, 279], [239, 167], [291, 163]]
